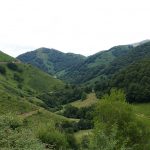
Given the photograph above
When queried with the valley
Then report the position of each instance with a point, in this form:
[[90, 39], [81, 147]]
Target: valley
[[68, 101]]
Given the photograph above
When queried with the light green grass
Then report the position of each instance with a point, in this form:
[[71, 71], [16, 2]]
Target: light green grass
[[80, 134], [143, 112], [91, 99]]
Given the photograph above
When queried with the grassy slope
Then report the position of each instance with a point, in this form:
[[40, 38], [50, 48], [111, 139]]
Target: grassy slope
[[18, 100], [39, 80], [143, 112], [33, 78], [91, 99], [4, 57]]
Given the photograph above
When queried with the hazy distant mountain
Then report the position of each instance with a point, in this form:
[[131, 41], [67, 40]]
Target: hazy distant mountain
[[51, 61], [79, 69], [140, 43]]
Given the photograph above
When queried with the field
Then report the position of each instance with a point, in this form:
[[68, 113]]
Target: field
[[80, 134], [91, 99], [143, 112]]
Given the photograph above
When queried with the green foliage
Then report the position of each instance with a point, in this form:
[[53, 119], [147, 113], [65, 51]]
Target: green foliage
[[18, 78], [52, 137], [83, 96], [95, 65], [103, 141], [2, 70], [70, 111], [85, 115], [135, 80], [13, 137], [12, 66], [51, 60], [62, 96], [5, 58], [116, 125]]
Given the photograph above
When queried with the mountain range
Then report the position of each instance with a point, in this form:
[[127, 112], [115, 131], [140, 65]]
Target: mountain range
[[79, 69]]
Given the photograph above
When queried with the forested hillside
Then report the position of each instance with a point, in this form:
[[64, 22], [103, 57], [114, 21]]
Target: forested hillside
[[135, 80], [105, 64], [51, 61], [78, 69]]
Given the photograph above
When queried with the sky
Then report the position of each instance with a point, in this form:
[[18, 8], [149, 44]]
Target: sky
[[77, 26]]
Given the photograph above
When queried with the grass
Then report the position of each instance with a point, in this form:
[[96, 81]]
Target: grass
[[80, 134], [39, 80], [143, 112], [15, 105], [5, 58], [91, 99]]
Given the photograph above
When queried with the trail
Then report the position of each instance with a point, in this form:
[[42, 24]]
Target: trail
[[6, 62], [28, 114], [143, 116]]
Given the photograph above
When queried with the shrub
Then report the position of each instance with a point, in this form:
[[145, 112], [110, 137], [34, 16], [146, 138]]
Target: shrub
[[18, 78], [2, 70], [83, 96], [14, 137], [52, 137], [12, 66], [70, 111], [116, 123]]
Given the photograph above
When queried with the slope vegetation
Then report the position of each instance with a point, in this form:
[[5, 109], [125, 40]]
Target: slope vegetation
[[51, 61]]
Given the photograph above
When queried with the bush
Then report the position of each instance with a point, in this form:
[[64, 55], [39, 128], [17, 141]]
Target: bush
[[14, 137], [67, 126], [52, 137], [18, 78], [70, 111], [12, 66], [83, 96], [116, 123], [2, 70], [84, 124]]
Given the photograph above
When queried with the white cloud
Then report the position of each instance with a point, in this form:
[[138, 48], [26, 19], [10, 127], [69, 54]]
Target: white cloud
[[81, 26]]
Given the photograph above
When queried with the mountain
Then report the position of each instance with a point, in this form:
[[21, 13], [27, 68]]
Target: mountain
[[79, 69], [95, 65], [20, 81], [51, 61], [107, 63]]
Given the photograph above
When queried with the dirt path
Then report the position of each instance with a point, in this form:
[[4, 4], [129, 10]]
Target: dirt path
[[28, 114]]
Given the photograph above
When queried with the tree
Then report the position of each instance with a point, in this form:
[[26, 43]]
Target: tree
[[2, 70], [83, 96], [116, 123]]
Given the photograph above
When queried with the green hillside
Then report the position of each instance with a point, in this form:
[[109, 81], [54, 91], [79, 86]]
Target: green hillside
[[95, 65], [135, 80], [19, 83], [107, 63], [51, 61], [23, 114], [5, 58]]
